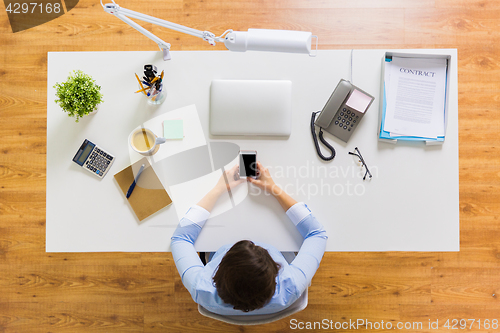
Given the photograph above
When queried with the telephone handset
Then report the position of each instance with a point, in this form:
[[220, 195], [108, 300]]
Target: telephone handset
[[340, 115]]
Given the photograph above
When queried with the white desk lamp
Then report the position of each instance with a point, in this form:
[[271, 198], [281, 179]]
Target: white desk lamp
[[240, 41]]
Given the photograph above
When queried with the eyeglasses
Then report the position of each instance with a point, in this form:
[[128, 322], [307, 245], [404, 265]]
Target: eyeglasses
[[358, 154]]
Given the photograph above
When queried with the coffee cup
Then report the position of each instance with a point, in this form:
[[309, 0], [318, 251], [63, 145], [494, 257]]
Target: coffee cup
[[145, 142]]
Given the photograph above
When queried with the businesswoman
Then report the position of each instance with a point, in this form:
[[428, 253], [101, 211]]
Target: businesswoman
[[247, 277]]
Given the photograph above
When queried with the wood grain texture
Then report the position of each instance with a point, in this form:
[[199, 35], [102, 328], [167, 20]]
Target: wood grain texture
[[142, 292]]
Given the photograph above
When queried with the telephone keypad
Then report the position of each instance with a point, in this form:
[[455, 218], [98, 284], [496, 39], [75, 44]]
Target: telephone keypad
[[345, 122], [346, 119]]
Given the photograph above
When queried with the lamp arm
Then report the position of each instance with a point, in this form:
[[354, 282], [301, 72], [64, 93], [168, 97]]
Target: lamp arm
[[160, 22], [162, 44], [124, 14]]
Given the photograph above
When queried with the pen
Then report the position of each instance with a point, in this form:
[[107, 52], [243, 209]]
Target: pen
[[131, 188]]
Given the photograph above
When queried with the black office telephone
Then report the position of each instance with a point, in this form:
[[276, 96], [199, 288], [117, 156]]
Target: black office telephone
[[340, 115]]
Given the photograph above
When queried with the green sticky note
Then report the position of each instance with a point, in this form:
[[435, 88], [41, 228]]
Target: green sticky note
[[173, 129]]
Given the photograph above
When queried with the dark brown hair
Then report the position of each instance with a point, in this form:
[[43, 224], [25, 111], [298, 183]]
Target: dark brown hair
[[246, 277]]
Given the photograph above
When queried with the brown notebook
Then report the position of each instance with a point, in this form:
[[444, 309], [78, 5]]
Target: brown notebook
[[149, 195]]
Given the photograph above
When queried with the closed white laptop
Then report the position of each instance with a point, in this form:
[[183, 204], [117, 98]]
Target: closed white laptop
[[251, 107]]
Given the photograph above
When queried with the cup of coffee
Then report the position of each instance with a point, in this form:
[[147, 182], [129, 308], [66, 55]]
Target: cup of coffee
[[145, 142]]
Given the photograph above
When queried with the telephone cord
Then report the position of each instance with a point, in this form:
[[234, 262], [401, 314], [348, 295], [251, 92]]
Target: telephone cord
[[316, 143]]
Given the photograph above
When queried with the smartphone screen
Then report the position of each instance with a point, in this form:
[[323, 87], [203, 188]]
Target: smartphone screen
[[248, 164]]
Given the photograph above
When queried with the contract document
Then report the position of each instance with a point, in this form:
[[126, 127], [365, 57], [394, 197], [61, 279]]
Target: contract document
[[415, 94]]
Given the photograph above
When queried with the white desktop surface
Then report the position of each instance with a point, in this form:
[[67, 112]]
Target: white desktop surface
[[411, 204]]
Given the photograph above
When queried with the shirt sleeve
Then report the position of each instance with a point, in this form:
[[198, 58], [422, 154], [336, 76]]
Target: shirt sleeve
[[305, 265], [186, 259]]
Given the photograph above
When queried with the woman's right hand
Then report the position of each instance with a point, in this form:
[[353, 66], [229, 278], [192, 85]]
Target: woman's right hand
[[264, 181]]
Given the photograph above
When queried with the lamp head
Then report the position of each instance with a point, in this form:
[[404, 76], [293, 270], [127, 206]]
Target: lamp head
[[269, 40]]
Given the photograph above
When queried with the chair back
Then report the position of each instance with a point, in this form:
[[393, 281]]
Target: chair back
[[249, 319]]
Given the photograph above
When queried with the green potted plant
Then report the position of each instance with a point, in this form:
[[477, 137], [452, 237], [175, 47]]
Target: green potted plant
[[79, 95]]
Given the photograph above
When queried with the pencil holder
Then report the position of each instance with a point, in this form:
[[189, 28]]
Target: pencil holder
[[157, 97], [151, 85]]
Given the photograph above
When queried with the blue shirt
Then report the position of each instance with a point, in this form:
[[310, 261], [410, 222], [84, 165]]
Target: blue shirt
[[292, 279]]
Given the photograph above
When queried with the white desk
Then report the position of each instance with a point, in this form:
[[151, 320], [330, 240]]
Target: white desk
[[411, 204]]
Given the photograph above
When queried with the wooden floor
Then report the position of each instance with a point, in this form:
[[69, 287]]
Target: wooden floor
[[133, 292]]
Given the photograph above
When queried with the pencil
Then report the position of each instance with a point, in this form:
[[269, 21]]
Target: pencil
[[142, 90], [140, 83]]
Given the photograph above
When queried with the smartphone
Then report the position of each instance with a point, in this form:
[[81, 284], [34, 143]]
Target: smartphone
[[248, 163]]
